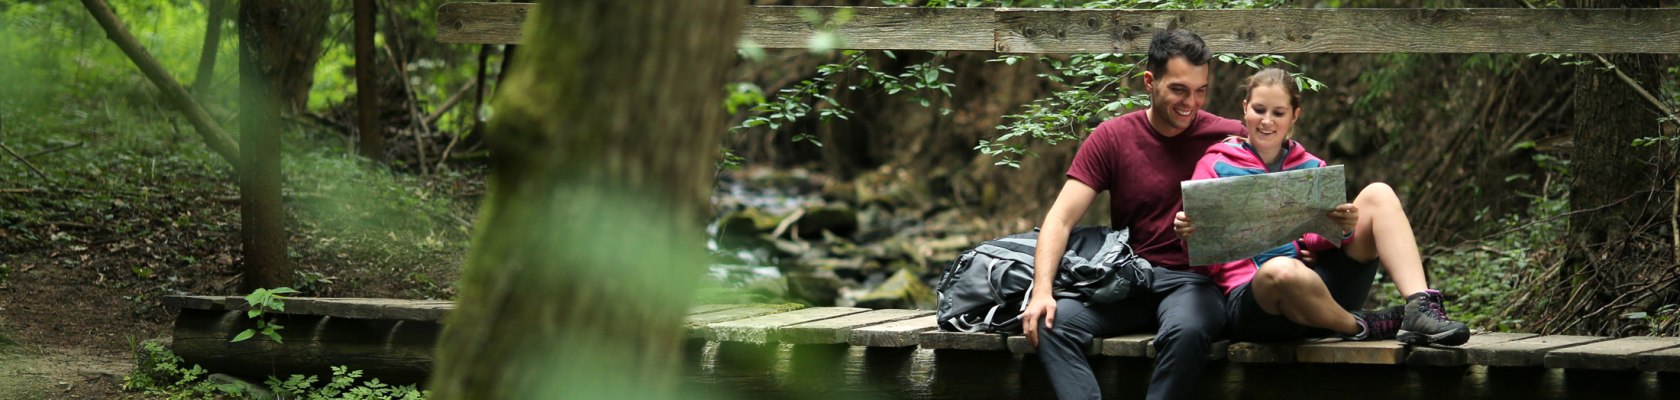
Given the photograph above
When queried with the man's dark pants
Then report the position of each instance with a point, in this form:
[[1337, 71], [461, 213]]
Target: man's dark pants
[[1187, 309]]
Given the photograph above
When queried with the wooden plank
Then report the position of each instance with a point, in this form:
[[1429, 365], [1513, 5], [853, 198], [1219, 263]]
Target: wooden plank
[[896, 28], [1529, 352], [195, 302], [893, 334], [764, 329], [1030, 31], [1337, 351], [839, 330], [1250, 352], [486, 23], [707, 308], [1134, 345], [1489, 30], [775, 27], [1217, 350], [1448, 356], [1667, 360], [940, 340], [1019, 345], [695, 322], [357, 308], [1618, 354]]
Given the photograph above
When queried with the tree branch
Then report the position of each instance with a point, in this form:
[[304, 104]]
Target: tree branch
[[207, 128], [21, 159], [1661, 106]]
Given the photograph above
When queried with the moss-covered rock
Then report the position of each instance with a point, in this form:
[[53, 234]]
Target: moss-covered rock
[[842, 221], [818, 288], [902, 290]]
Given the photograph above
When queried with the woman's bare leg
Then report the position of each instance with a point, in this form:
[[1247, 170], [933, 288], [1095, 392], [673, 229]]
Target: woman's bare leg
[[1284, 286], [1384, 231]]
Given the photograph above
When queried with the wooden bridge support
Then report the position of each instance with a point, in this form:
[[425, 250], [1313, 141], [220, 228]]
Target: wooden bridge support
[[776, 352]]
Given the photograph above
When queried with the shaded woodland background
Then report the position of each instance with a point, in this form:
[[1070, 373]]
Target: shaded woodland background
[[119, 202]]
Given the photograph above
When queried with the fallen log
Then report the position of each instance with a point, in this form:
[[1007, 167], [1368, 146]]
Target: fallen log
[[393, 350]]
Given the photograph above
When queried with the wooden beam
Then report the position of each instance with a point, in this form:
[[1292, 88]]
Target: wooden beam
[[1453, 356], [941, 340], [1383, 352], [1055, 31], [1619, 354], [764, 329], [1489, 30], [839, 330], [896, 334], [1529, 352], [1133, 345]]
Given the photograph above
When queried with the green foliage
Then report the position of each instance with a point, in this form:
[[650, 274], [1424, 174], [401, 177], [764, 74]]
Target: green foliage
[[263, 301], [1480, 275], [1133, 4], [342, 386], [160, 373], [922, 82], [1095, 84], [1094, 89]]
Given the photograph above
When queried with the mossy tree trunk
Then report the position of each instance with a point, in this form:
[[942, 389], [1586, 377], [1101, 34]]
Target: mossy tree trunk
[[590, 242], [1618, 234], [261, 213]]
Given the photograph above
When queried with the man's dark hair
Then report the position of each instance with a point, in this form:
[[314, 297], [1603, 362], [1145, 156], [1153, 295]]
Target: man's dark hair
[[1176, 42]]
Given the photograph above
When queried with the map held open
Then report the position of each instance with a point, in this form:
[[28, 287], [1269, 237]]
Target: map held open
[[1243, 216]]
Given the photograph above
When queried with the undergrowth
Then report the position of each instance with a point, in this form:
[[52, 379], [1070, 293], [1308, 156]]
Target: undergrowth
[[116, 180], [1478, 276], [161, 373]]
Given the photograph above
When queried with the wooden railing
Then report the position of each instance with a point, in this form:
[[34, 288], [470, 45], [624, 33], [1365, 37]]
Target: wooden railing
[[1006, 30]]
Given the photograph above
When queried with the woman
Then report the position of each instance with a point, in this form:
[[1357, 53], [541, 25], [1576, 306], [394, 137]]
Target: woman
[[1276, 295]]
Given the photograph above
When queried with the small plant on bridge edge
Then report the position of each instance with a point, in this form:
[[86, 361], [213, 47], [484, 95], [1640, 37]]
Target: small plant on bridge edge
[[263, 301]]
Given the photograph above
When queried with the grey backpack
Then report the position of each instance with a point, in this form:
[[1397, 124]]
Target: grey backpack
[[986, 288]]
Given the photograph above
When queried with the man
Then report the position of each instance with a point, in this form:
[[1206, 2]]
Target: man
[[1140, 158]]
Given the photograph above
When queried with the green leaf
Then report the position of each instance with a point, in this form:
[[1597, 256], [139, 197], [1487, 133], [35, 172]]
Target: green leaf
[[242, 336], [253, 313]]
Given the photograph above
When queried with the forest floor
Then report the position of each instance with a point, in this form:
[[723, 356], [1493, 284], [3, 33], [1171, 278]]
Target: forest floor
[[131, 208]]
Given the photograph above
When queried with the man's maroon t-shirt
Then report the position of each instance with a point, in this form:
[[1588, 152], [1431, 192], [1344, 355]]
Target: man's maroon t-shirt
[[1141, 170]]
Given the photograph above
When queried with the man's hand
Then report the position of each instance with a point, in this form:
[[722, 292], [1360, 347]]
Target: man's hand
[[1346, 215], [1040, 307], [1183, 227]]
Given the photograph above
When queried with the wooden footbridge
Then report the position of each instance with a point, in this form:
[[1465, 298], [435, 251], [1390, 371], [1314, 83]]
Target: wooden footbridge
[[759, 351], [787, 351]]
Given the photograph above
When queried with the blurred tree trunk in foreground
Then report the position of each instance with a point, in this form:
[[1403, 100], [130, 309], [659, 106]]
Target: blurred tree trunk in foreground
[[262, 229], [590, 241]]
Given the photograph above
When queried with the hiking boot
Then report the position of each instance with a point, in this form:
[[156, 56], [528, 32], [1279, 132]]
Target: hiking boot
[[1378, 324], [1426, 322]]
